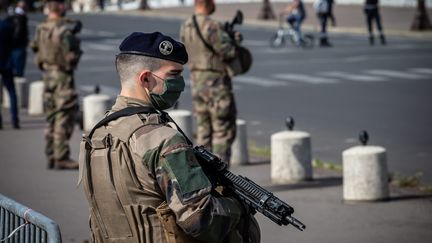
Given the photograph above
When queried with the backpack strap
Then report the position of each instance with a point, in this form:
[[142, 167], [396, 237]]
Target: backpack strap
[[128, 111], [207, 45]]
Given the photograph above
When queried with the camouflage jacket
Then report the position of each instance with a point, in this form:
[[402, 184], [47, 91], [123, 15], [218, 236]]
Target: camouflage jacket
[[56, 45], [154, 165], [200, 57]]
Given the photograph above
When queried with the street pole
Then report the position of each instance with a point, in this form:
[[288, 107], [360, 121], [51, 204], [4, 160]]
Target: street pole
[[421, 18]]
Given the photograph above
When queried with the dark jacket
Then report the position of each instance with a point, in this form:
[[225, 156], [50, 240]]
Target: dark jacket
[[6, 32], [20, 33]]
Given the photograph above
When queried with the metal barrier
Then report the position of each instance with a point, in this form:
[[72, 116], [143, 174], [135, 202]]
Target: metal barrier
[[19, 224]]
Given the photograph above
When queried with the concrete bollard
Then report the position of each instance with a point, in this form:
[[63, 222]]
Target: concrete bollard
[[239, 148], [290, 157], [365, 175], [35, 104], [183, 118], [21, 89], [94, 108]]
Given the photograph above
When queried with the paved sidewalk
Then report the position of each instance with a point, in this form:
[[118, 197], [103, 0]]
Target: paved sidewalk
[[349, 18], [318, 203]]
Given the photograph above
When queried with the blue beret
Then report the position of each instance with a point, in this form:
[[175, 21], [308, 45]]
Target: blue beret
[[154, 45]]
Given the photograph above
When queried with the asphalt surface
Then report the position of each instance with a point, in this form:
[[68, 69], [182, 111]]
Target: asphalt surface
[[332, 93]]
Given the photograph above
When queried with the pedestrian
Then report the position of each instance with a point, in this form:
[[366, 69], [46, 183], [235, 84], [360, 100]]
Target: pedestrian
[[20, 39], [330, 14], [140, 175], [6, 73], [57, 50], [213, 101], [322, 9], [371, 10], [296, 13]]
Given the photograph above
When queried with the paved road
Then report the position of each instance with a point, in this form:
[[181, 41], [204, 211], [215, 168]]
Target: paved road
[[332, 93]]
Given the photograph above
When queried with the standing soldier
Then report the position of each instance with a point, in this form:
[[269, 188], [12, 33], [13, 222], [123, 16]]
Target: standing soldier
[[212, 96], [57, 52], [140, 175]]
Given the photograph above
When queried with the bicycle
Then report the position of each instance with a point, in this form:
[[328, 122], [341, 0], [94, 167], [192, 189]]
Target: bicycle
[[307, 40]]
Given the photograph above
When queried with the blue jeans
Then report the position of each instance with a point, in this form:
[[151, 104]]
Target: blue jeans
[[19, 61], [8, 81], [295, 20]]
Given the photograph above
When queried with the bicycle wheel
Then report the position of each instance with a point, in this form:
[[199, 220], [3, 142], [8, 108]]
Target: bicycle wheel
[[308, 41], [277, 41]]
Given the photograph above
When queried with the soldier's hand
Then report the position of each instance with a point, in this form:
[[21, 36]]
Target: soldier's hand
[[238, 37]]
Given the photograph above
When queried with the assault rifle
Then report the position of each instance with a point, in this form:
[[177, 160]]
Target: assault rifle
[[246, 190]]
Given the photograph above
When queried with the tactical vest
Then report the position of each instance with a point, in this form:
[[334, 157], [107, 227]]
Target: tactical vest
[[124, 209], [51, 49], [200, 57]]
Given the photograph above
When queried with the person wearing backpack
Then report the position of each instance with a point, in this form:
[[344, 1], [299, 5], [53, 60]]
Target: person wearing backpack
[[57, 52], [322, 9], [139, 172], [214, 107]]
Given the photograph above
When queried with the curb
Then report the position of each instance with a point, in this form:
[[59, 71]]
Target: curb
[[169, 15]]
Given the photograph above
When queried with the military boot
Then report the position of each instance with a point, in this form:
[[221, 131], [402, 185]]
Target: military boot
[[66, 165]]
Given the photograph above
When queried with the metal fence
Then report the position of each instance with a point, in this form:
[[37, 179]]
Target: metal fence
[[19, 224]]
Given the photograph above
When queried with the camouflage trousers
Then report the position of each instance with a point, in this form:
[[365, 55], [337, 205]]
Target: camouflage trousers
[[60, 104], [215, 112]]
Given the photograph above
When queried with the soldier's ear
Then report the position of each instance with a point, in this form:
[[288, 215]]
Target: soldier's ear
[[144, 78]]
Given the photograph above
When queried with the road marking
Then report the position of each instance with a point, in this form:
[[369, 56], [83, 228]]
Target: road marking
[[255, 43], [304, 78], [354, 77], [263, 82], [395, 74], [100, 47], [422, 70]]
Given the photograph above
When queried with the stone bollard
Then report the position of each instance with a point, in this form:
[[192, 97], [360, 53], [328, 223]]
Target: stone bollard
[[239, 148], [94, 108], [183, 118], [21, 89], [290, 157], [365, 175], [35, 104]]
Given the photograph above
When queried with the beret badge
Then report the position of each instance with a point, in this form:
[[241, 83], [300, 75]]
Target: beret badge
[[166, 47]]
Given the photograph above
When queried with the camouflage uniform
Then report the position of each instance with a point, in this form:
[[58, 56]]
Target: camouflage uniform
[[137, 171], [212, 96], [57, 61]]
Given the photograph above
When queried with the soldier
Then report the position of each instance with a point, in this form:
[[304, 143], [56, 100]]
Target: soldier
[[140, 175], [57, 52], [212, 96]]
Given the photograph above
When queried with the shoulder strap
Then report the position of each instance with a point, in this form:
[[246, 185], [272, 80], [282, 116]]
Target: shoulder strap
[[207, 45], [128, 111]]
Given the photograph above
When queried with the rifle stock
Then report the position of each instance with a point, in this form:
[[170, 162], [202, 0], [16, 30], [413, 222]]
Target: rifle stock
[[253, 195]]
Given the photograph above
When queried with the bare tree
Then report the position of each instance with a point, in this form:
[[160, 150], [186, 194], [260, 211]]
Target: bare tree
[[421, 18], [144, 5], [266, 11]]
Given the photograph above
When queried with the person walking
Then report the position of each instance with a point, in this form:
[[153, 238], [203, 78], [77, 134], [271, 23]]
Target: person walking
[[57, 50], [6, 73], [322, 9], [20, 39], [372, 13], [214, 108]]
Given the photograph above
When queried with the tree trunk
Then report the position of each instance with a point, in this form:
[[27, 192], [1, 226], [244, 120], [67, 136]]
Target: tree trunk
[[421, 18], [144, 5], [266, 11]]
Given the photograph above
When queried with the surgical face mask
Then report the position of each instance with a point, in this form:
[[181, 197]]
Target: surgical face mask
[[171, 93]]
